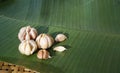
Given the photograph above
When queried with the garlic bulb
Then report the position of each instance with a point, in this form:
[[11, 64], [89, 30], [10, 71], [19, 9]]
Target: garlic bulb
[[43, 54], [27, 47], [44, 41], [59, 48], [27, 33], [60, 38]]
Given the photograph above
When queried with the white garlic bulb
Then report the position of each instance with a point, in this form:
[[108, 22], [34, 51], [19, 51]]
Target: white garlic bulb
[[27, 33], [44, 41], [27, 47], [59, 48], [60, 38]]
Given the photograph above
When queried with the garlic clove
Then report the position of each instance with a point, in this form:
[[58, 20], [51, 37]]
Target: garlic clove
[[28, 28], [27, 37], [28, 49], [33, 44], [39, 55], [50, 40], [21, 48], [43, 54], [44, 42], [59, 48], [33, 33], [22, 33], [38, 41], [60, 38], [23, 29]]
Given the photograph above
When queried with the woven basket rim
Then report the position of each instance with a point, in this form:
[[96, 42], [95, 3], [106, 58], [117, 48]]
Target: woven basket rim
[[6, 67]]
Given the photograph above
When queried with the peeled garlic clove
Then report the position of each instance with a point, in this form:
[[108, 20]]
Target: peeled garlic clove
[[43, 54], [27, 47], [60, 38], [21, 47], [27, 33], [59, 48], [44, 41]]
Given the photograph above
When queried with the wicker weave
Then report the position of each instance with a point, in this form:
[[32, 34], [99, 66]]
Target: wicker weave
[[11, 68]]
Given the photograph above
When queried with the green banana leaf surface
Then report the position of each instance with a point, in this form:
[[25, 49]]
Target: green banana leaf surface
[[92, 28]]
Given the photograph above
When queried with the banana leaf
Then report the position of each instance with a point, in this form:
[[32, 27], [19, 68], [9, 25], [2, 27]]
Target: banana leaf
[[92, 28]]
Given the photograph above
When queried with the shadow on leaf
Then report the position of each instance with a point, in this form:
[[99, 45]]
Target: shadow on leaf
[[42, 29]]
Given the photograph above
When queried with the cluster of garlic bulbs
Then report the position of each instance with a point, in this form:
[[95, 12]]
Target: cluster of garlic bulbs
[[31, 41], [27, 35]]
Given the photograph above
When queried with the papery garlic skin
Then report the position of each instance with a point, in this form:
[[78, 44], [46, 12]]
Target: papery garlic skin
[[60, 38], [27, 47], [27, 33], [43, 54], [44, 41], [59, 49]]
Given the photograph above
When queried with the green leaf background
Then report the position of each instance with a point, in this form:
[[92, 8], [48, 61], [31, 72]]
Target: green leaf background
[[92, 27]]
